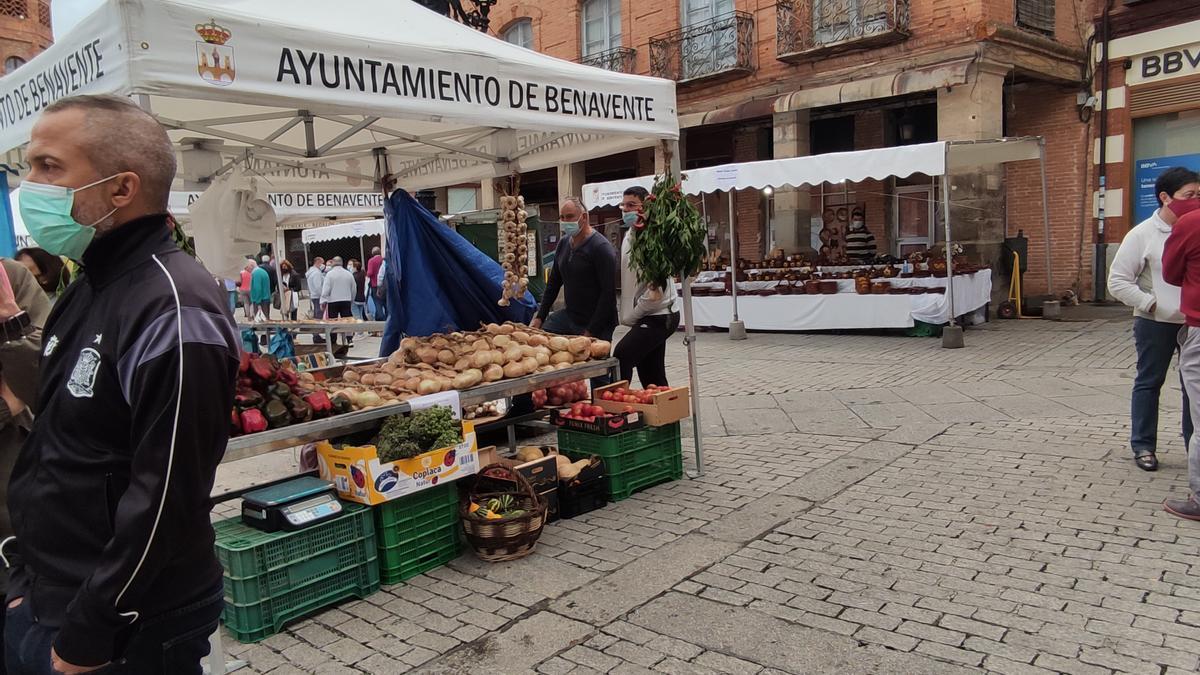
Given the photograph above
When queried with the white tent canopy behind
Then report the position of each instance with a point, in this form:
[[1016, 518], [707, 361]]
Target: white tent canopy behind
[[324, 96], [351, 230]]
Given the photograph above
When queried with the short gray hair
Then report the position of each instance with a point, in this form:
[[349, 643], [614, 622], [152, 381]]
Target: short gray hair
[[123, 137], [576, 202]]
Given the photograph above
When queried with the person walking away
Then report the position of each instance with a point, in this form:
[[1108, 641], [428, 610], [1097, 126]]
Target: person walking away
[[109, 498], [337, 294], [1181, 266], [260, 291], [585, 265], [860, 243], [24, 306], [269, 266], [376, 295], [359, 307], [244, 284], [648, 311], [289, 285], [1136, 279]]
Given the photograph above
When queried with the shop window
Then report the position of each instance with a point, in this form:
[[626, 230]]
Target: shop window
[[831, 134], [1036, 15], [15, 8], [601, 26], [1159, 143], [460, 200], [706, 50], [520, 33], [12, 63]]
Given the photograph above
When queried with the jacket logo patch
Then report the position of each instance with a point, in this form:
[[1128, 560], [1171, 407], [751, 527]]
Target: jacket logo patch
[[50, 345], [83, 377]]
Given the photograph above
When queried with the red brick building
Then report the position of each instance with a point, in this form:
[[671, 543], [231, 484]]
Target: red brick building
[[1150, 113], [24, 31], [761, 79]]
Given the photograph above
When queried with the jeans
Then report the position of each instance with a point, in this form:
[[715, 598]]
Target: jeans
[[645, 347], [1156, 343], [379, 302], [359, 309], [170, 644], [1189, 372]]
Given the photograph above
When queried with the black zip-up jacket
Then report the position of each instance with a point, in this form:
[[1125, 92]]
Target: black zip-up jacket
[[110, 495]]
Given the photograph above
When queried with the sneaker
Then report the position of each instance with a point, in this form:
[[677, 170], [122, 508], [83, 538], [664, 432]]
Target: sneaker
[[1187, 509]]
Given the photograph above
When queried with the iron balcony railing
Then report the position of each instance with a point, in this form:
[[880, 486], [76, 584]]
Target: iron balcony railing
[[723, 46], [807, 29], [617, 59]]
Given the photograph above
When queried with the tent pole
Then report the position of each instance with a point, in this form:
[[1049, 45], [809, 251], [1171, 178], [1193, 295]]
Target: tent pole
[[952, 334], [737, 329], [1046, 216], [671, 163]]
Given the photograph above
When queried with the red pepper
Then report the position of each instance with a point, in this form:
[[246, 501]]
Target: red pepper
[[288, 376], [263, 369], [244, 363], [320, 403], [253, 421]]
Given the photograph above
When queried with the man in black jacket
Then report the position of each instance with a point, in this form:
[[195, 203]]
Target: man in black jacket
[[585, 263], [110, 495]]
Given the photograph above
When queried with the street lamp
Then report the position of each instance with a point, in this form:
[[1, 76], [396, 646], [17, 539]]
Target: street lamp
[[476, 18]]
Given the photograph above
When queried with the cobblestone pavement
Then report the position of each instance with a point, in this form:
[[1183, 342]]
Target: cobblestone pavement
[[870, 504]]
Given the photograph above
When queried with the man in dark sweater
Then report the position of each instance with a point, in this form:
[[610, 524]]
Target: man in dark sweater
[[586, 265], [1181, 267]]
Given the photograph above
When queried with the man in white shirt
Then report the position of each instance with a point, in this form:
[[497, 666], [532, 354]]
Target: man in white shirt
[[1136, 279]]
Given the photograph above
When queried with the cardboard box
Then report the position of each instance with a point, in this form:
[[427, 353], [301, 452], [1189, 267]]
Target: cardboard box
[[617, 422], [360, 477], [667, 407]]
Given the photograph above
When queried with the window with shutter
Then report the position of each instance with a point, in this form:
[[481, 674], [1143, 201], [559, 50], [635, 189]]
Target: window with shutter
[[1036, 15]]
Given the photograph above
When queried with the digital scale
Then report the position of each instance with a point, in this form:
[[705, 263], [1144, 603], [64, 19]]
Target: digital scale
[[292, 505]]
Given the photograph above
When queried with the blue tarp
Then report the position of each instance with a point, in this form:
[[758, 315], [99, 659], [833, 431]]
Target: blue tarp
[[437, 281]]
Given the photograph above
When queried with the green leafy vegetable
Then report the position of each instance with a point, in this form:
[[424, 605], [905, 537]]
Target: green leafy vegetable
[[406, 436], [670, 243]]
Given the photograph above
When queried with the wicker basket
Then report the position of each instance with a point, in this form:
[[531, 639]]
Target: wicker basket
[[507, 538]]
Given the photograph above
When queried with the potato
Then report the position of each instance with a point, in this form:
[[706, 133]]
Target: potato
[[498, 357], [481, 345], [439, 343], [528, 352], [538, 341], [481, 359], [561, 366], [427, 355], [546, 369], [502, 341], [561, 358], [389, 367], [428, 386], [560, 344], [447, 357], [600, 349], [493, 328], [542, 358], [530, 364], [467, 379], [506, 329], [521, 336], [409, 344], [512, 354], [413, 383], [493, 373], [580, 345], [581, 357], [350, 376], [514, 370], [462, 364], [382, 379]]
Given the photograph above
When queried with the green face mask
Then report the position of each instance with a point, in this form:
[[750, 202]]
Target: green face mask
[[46, 210]]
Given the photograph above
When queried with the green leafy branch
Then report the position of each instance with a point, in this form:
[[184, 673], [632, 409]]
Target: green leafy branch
[[670, 237]]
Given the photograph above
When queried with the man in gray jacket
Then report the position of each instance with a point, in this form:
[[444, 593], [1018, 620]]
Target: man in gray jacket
[[337, 293]]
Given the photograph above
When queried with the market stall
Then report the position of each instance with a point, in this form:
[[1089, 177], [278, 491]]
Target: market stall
[[938, 159], [352, 234]]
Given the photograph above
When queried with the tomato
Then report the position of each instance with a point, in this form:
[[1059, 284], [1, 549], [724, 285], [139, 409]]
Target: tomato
[[606, 396], [597, 411], [631, 399], [629, 409], [620, 392]]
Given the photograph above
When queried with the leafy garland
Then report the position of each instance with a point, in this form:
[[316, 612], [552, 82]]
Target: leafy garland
[[670, 236]]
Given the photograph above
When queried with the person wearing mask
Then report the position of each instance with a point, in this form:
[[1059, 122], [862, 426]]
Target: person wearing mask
[[289, 284], [860, 243], [377, 297], [1181, 267], [585, 264], [244, 284], [49, 270], [337, 293], [359, 307], [260, 291], [110, 496], [24, 307], [649, 312], [1136, 279]]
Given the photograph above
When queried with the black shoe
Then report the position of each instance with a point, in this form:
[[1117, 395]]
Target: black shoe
[[1146, 461]]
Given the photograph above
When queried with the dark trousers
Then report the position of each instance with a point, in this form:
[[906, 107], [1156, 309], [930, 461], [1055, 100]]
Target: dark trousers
[[1156, 343], [339, 310], [169, 644], [645, 347], [379, 300]]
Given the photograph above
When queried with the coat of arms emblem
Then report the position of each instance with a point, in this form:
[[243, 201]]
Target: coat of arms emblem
[[214, 59]]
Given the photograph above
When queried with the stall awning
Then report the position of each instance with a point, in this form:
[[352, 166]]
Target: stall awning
[[310, 94], [931, 159], [352, 230]]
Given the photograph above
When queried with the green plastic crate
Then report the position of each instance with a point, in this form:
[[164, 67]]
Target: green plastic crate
[[256, 621], [634, 460], [411, 518], [245, 552], [434, 549]]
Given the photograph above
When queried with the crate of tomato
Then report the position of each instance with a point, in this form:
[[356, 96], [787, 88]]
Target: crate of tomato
[[592, 419], [659, 406]]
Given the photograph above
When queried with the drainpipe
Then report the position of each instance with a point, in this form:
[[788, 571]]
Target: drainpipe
[[1100, 249]]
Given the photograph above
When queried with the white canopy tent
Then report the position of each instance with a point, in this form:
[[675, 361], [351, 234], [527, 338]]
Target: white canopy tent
[[351, 230], [932, 159], [312, 96]]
